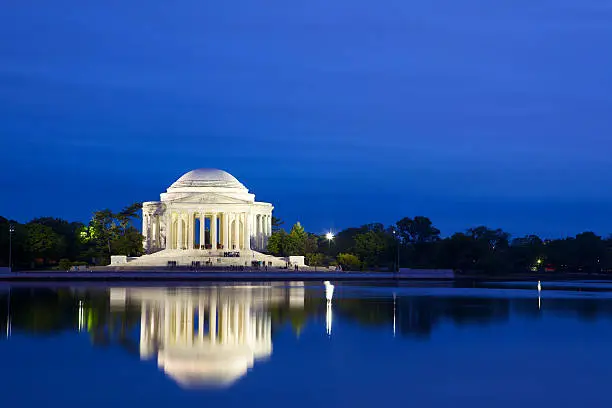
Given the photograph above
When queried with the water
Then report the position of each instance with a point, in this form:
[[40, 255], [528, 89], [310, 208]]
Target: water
[[282, 344]]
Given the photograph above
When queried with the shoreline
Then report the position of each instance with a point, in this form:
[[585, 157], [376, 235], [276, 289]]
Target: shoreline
[[250, 276], [192, 276]]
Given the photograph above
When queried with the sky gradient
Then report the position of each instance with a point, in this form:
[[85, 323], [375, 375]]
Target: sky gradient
[[338, 112]]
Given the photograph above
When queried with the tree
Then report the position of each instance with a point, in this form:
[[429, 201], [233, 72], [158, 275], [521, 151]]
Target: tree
[[128, 215], [348, 262], [276, 223], [297, 239], [297, 242], [314, 259], [128, 243], [371, 246], [101, 231], [277, 243], [494, 238], [111, 234], [42, 242], [69, 231], [417, 230], [589, 252], [527, 252]]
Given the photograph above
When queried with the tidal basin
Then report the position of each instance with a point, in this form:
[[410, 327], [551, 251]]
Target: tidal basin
[[305, 344]]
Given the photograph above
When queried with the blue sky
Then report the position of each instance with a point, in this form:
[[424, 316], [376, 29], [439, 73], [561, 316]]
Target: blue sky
[[338, 112]]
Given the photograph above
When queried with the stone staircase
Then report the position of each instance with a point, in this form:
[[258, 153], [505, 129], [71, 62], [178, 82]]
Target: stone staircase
[[185, 258]]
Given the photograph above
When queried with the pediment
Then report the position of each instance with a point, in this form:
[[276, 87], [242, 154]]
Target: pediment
[[208, 198]]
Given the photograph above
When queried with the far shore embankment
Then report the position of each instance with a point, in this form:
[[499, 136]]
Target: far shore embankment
[[165, 275]]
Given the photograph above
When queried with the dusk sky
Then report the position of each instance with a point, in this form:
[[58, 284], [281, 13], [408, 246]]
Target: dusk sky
[[338, 112]]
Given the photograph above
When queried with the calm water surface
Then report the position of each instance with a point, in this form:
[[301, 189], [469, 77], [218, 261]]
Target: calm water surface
[[308, 345]]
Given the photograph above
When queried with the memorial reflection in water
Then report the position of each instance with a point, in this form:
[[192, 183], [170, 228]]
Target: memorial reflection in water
[[206, 337]]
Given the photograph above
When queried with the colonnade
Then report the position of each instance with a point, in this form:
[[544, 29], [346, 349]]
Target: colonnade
[[226, 230]]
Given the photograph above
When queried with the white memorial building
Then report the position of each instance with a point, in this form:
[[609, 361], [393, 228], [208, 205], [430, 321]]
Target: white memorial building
[[207, 217]]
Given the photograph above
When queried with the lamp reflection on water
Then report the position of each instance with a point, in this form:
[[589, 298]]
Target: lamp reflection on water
[[329, 294], [207, 337], [81, 317], [539, 295], [8, 314], [394, 301]]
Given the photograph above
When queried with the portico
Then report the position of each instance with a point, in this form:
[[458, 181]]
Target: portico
[[212, 229]]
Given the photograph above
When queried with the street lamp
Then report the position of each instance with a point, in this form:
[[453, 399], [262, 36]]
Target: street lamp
[[329, 236], [11, 230]]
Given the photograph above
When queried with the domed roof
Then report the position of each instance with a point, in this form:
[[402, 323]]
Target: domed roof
[[207, 178]]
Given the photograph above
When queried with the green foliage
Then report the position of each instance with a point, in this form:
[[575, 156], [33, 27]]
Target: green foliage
[[64, 264], [297, 242], [128, 243], [349, 262], [314, 259], [277, 243], [277, 223], [111, 233], [43, 242], [371, 248]]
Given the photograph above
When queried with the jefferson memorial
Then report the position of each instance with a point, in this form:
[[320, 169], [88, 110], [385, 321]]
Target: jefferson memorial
[[206, 217]]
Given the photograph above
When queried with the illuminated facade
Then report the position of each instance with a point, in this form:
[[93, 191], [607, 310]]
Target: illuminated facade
[[207, 217]]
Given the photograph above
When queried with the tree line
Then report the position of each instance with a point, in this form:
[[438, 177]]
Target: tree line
[[409, 243], [417, 243], [54, 242]]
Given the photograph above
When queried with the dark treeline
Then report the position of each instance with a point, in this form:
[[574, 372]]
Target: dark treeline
[[54, 242], [410, 243], [416, 243]]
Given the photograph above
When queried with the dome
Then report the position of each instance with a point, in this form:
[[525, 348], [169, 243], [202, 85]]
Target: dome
[[207, 178]]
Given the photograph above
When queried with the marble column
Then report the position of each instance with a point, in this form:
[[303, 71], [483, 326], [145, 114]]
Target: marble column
[[145, 232], [180, 230], [213, 231], [269, 224], [236, 240], [190, 228], [202, 229], [168, 230], [264, 223], [268, 229], [260, 231], [247, 231], [225, 231], [154, 230], [263, 230]]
